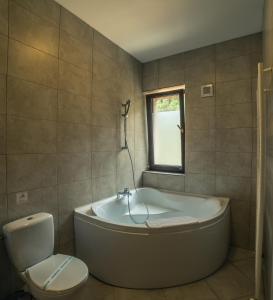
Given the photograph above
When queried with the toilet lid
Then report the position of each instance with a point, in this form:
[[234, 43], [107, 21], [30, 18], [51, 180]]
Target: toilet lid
[[58, 273]]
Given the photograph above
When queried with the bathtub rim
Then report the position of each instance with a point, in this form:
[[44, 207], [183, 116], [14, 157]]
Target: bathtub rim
[[83, 213]]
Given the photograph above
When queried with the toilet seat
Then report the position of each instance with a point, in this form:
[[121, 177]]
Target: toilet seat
[[58, 274]]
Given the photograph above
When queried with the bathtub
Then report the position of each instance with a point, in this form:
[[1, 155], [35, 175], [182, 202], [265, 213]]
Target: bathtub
[[185, 238]]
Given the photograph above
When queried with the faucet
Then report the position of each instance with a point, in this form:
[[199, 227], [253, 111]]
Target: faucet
[[125, 192]]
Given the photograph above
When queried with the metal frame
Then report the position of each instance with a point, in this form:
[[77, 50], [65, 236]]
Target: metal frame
[[149, 103]]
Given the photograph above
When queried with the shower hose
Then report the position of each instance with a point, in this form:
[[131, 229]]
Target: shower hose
[[134, 181]]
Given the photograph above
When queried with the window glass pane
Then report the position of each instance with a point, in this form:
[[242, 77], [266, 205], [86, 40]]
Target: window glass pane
[[167, 136]]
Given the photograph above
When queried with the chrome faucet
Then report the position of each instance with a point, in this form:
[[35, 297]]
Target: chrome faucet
[[125, 192]]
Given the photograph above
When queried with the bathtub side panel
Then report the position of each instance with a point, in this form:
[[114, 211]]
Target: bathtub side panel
[[152, 260]]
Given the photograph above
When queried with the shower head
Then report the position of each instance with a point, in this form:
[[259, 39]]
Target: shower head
[[126, 108]]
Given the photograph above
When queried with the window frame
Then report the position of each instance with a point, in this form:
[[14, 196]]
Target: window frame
[[149, 107]]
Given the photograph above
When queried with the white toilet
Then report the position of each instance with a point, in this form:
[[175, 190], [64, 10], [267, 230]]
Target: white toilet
[[30, 244]]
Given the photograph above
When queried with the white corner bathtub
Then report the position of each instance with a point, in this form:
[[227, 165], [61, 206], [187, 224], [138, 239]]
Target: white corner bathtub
[[185, 238]]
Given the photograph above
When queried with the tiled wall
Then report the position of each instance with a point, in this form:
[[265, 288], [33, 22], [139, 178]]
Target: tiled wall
[[61, 88], [268, 62], [220, 130]]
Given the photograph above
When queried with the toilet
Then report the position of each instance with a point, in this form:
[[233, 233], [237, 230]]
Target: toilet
[[30, 243]]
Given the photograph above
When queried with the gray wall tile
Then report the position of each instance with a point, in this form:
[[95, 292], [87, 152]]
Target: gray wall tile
[[150, 179], [234, 139], [255, 57], [150, 69], [193, 97], [73, 167], [233, 69], [75, 26], [75, 51], [170, 78], [240, 226], [103, 187], [150, 76], [2, 94], [234, 116], [49, 84], [33, 65], [202, 73], [105, 46], [171, 63], [201, 162], [237, 188], [3, 54], [105, 68], [4, 17], [74, 79], [104, 114], [47, 9], [39, 200], [30, 100], [2, 174], [73, 138], [2, 134], [200, 140], [30, 136], [200, 184], [200, 117], [71, 195], [171, 182], [150, 83], [3, 210], [197, 56], [73, 108], [103, 163], [106, 91], [234, 48], [171, 71], [124, 178], [232, 92], [104, 139], [220, 130], [233, 164], [33, 30], [31, 171], [141, 158]]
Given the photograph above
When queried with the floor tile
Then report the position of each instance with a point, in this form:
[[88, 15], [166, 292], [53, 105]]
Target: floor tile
[[229, 283], [246, 267], [130, 294], [97, 290], [236, 254], [195, 291]]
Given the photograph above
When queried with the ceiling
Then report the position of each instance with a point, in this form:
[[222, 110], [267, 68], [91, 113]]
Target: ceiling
[[151, 29]]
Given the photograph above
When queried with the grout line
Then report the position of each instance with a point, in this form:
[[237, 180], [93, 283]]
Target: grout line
[[57, 135], [57, 57], [91, 116], [48, 20], [238, 269], [34, 48], [211, 289], [6, 118]]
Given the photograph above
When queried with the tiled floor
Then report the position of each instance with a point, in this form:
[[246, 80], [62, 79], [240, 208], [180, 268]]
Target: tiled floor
[[235, 280]]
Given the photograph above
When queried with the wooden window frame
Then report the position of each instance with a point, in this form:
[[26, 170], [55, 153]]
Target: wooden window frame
[[149, 104]]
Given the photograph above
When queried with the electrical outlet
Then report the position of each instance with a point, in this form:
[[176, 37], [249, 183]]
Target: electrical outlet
[[21, 197]]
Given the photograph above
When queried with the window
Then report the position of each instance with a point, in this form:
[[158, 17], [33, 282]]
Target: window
[[165, 115]]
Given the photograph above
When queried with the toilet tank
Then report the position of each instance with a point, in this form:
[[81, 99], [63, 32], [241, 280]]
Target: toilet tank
[[29, 240]]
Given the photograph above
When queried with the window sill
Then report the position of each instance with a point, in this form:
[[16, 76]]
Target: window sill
[[163, 173]]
